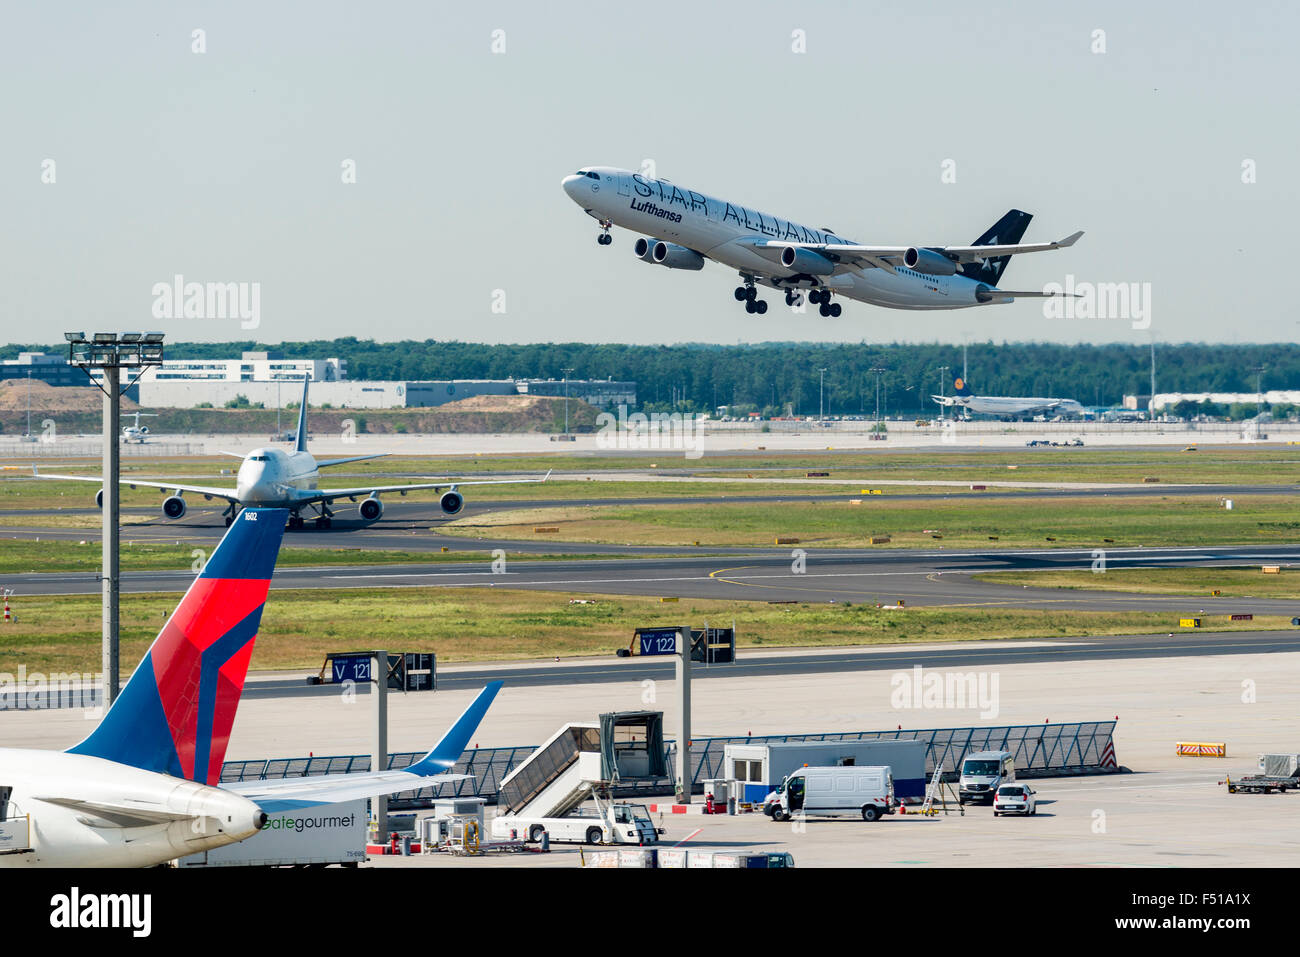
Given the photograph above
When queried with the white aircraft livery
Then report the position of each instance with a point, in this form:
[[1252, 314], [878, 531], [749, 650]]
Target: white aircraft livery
[[144, 787], [1005, 405], [273, 478], [685, 228]]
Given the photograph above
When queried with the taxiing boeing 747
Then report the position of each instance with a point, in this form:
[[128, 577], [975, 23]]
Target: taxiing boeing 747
[[273, 478], [682, 228]]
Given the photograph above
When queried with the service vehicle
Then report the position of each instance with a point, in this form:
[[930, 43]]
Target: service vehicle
[[1015, 799], [834, 792], [603, 823], [982, 773]]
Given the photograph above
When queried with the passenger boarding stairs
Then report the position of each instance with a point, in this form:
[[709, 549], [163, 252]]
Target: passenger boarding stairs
[[557, 777]]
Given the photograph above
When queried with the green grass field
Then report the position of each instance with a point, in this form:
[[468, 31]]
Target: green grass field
[[962, 522], [1200, 582], [62, 634]]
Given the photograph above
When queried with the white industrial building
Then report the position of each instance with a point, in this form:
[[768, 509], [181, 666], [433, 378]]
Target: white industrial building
[[1166, 399], [352, 394]]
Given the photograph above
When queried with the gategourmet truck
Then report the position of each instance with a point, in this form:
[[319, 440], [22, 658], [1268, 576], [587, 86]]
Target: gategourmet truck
[[320, 835]]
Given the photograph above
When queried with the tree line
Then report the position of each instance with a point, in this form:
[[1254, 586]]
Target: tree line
[[773, 377]]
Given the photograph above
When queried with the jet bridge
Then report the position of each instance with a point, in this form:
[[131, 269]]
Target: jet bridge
[[582, 756]]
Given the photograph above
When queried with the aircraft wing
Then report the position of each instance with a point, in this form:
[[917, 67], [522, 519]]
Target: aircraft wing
[[329, 494], [286, 794], [355, 458], [226, 493], [887, 257], [104, 815]]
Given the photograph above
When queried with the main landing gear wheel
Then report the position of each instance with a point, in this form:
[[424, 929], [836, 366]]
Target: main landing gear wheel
[[741, 293], [323, 522], [793, 298], [818, 296], [756, 306]]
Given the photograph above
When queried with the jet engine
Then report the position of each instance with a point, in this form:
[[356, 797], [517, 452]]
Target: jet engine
[[806, 261], [676, 257], [372, 509], [929, 262], [99, 499], [173, 506], [451, 502], [644, 250]]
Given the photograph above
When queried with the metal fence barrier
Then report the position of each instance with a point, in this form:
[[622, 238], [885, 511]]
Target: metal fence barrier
[[1038, 749]]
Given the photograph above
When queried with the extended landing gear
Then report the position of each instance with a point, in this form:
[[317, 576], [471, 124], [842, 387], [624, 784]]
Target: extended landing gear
[[605, 238], [822, 299], [749, 296], [231, 511], [793, 298], [295, 520], [324, 519]]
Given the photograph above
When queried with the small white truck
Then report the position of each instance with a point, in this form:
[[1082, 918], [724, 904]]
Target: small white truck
[[605, 823], [834, 792]]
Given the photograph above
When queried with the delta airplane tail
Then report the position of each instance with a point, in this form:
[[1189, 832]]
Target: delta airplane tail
[[175, 714], [1007, 231]]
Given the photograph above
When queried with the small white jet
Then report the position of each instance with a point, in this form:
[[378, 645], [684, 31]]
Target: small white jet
[[685, 228], [1009, 406], [137, 432], [144, 787], [274, 478]]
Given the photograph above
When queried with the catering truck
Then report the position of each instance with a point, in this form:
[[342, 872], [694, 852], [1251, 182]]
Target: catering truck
[[318, 836]]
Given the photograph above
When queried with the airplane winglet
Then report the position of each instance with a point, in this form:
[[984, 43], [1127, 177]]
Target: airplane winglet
[[447, 751], [1069, 240]]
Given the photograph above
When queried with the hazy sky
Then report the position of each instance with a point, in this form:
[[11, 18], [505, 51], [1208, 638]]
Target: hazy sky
[[226, 165]]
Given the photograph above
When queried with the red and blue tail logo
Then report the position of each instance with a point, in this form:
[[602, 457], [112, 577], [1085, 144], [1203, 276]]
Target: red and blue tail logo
[[175, 714]]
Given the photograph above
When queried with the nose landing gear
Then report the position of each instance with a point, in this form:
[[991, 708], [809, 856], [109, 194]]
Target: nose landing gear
[[605, 238]]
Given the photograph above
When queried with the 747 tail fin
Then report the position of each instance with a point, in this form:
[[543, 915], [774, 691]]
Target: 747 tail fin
[[175, 714]]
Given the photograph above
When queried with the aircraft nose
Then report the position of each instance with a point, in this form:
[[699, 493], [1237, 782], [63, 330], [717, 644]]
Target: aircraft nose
[[572, 184]]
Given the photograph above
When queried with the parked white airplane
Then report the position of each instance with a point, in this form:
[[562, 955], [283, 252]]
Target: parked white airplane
[[688, 227], [1005, 405], [137, 432], [273, 478], [144, 787]]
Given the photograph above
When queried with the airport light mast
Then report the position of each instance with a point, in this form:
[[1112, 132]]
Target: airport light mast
[[879, 371], [110, 354], [943, 375], [821, 394], [1259, 392], [567, 373]]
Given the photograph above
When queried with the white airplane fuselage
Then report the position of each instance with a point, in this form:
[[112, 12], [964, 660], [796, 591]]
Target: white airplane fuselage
[[1007, 405], [724, 231], [196, 817], [273, 478]]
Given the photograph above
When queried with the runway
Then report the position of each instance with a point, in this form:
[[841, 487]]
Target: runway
[[920, 578], [413, 526]]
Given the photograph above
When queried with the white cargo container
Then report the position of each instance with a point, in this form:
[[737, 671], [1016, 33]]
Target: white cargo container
[[760, 767], [326, 834]]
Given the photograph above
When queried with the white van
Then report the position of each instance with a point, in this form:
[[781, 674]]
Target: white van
[[868, 791], [982, 773]]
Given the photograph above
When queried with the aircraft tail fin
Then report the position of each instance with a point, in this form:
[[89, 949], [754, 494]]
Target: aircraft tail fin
[[1006, 231], [175, 714], [301, 444], [961, 388]]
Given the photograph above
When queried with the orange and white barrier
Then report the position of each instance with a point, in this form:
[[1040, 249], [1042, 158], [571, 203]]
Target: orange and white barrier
[[1202, 749]]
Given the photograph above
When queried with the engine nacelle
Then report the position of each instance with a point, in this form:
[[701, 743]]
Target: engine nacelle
[[806, 261], [372, 509], [99, 499], [929, 262], [173, 506], [676, 257], [644, 250], [451, 502]]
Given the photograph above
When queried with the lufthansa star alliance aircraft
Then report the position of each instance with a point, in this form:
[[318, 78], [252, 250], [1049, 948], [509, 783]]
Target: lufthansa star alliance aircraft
[[685, 228]]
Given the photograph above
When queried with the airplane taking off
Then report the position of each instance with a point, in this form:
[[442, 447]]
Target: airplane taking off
[[144, 787], [273, 478], [687, 228], [137, 432], [1005, 405]]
